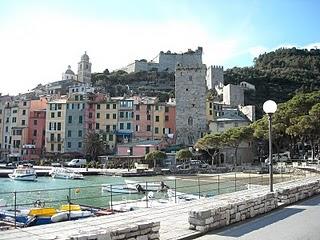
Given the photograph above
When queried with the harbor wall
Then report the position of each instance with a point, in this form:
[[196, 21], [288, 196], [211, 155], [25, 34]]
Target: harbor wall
[[231, 208]]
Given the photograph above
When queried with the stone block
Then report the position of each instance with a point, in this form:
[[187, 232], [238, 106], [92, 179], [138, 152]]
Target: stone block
[[155, 229], [142, 226], [142, 237], [145, 231], [197, 222], [132, 234], [202, 228], [154, 236]]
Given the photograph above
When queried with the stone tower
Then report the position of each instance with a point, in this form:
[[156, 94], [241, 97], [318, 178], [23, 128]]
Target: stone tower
[[215, 78], [84, 69], [190, 93]]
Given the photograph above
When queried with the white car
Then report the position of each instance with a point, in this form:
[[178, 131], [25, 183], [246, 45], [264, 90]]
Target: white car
[[77, 162]]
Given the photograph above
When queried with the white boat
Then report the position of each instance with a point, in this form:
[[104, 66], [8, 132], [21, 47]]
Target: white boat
[[118, 189], [65, 173], [72, 215], [145, 186], [24, 173]]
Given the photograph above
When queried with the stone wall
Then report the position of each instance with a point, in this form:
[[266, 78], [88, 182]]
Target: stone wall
[[224, 211], [294, 191], [136, 231]]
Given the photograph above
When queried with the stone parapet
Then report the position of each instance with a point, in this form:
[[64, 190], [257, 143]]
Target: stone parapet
[[230, 208], [135, 231]]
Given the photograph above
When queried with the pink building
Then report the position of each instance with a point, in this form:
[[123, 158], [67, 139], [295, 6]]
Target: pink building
[[35, 142], [144, 117], [140, 148], [170, 118]]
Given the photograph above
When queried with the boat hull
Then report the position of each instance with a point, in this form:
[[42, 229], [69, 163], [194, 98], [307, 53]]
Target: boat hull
[[27, 177]]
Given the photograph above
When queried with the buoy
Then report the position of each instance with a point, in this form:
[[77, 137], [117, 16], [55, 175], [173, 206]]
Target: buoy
[[77, 190]]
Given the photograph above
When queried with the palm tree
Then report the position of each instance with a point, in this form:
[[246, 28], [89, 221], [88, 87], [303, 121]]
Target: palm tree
[[94, 145]]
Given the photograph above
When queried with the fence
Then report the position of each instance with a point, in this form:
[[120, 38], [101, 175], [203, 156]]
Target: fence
[[120, 197]]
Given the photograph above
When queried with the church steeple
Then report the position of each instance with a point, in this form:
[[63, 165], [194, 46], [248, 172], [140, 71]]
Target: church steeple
[[84, 69]]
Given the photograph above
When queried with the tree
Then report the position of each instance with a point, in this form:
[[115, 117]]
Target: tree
[[234, 136], [210, 143], [94, 145], [184, 154], [155, 157]]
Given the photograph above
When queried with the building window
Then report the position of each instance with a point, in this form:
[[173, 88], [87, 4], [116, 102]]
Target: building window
[[110, 137], [97, 126], [107, 116], [79, 144], [80, 133], [34, 133], [69, 144], [166, 118], [148, 128], [52, 115], [114, 106], [210, 112], [121, 126], [23, 122], [108, 106], [59, 147], [80, 119], [137, 107], [59, 126], [69, 133], [114, 116], [98, 106], [137, 128], [148, 117], [52, 147], [190, 121], [137, 117], [24, 103], [128, 125], [35, 122], [166, 109], [90, 126], [187, 89], [70, 119], [156, 130], [157, 108], [210, 105], [114, 127], [157, 118], [121, 114], [148, 107], [59, 106], [90, 114], [51, 137], [98, 115], [23, 112], [59, 114]]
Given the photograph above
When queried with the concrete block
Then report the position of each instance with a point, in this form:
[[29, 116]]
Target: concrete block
[[142, 237]]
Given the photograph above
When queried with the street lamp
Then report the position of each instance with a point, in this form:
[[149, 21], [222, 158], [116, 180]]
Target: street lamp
[[128, 151], [270, 107]]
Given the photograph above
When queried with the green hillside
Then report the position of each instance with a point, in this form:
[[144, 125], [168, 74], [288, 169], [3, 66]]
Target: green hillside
[[278, 75]]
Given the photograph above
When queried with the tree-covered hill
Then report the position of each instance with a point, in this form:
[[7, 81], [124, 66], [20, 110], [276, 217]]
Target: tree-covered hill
[[278, 75]]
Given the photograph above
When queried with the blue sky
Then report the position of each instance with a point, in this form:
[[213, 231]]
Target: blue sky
[[38, 39]]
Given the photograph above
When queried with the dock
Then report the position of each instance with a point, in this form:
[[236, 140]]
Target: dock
[[43, 171]]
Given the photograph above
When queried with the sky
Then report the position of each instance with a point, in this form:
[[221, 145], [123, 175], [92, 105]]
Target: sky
[[40, 38]]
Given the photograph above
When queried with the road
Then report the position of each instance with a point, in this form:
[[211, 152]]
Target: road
[[296, 222]]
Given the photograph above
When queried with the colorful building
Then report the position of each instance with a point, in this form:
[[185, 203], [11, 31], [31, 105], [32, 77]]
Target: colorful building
[[55, 126]]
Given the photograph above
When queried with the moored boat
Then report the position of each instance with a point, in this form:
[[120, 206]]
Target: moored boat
[[24, 173], [65, 173]]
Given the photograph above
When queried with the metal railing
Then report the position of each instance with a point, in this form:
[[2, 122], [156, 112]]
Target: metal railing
[[182, 188]]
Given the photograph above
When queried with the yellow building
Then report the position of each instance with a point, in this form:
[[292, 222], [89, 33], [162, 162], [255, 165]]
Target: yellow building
[[107, 120], [55, 125], [159, 121]]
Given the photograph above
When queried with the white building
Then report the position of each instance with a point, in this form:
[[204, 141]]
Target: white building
[[247, 86], [215, 78], [233, 95]]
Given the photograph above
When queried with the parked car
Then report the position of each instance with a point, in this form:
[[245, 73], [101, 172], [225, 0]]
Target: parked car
[[79, 162], [199, 164]]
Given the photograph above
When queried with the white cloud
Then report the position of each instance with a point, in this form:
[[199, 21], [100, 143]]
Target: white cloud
[[257, 50]]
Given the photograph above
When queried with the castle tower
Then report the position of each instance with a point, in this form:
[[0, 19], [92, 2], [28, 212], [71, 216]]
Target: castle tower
[[190, 93], [84, 69], [215, 78]]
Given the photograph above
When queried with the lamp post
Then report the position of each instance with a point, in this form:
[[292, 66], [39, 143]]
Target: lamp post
[[270, 107], [128, 151], [197, 153]]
